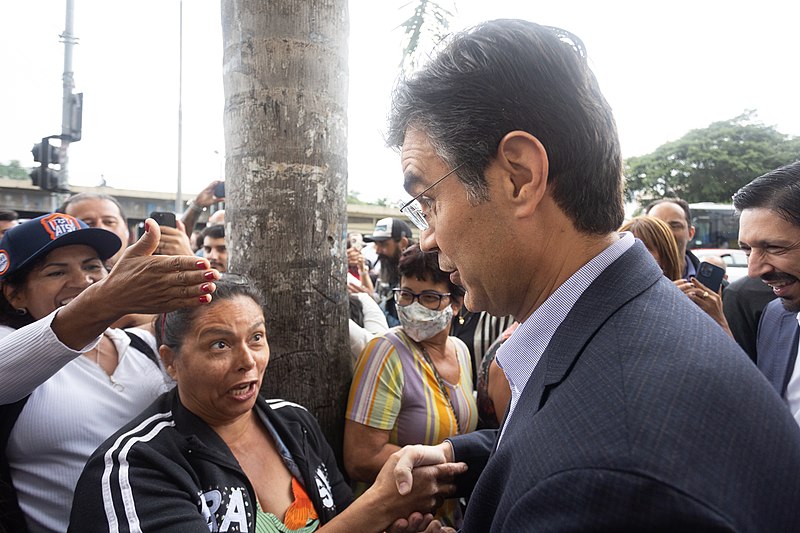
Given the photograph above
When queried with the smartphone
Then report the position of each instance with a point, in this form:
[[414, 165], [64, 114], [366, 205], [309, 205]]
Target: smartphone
[[219, 190], [710, 276], [164, 218]]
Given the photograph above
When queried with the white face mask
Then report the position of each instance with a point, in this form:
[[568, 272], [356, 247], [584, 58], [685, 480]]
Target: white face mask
[[421, 323]]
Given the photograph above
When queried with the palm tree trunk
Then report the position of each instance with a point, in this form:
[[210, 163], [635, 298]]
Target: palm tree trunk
[[286, 79]]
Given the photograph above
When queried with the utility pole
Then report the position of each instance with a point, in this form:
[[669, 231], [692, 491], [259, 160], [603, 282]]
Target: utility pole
[[51, 179], [179, 196], [71, 105]]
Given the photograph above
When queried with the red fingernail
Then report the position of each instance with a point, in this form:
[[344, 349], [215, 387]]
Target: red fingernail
[[204, 299], [205, 287], [146, 227], [209, 275], [200, 264]]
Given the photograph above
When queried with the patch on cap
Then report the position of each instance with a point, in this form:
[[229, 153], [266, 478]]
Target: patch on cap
[[5, 262], [59, 224]]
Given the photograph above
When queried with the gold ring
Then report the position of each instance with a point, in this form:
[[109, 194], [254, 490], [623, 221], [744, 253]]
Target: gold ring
[[704, 295]]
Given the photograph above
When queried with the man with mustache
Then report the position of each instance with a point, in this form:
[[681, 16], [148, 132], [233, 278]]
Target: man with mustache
[[769, 231]]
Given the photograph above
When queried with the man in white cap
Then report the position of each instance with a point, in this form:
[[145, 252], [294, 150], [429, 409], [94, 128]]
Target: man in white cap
[[391, 236]]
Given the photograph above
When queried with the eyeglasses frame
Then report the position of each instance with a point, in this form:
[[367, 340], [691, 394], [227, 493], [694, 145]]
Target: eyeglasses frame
[[415, 214], [415, 296]]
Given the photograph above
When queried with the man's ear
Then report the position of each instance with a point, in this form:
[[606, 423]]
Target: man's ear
[[168, 359], [402, 243], [691, 232], [523, 159]]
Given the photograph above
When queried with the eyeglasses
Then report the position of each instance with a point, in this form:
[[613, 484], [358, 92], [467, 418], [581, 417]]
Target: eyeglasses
[[414, 210], [430, 299]]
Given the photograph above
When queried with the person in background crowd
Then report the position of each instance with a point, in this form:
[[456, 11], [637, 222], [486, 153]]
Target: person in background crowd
[[103, 211], [366, 317], [743, 302], [676, 213], [214, 455], [659, 241], [366, 321], [769, 232], [391, 237], [8, 219], [217, 218], [199, 205], [358, 279], [630, 410], [214, 247], [413, 384], [67, 379]]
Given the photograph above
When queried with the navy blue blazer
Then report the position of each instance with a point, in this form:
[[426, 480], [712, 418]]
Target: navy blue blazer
[[776, 345], [641, 415]]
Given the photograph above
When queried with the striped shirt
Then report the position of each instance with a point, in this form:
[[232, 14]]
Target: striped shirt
[[395, 389], [520, 354]]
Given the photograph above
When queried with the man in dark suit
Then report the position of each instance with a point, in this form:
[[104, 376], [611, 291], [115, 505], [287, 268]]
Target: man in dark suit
[[769, 231], [630, 409]]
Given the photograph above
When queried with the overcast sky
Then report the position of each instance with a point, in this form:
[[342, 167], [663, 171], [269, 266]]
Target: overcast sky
[[665, 68]]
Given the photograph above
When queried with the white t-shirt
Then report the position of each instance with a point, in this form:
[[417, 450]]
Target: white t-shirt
[[68, 415]]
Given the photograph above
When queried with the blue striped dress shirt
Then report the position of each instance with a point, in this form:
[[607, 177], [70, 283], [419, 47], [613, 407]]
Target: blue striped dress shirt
[[520, 354]]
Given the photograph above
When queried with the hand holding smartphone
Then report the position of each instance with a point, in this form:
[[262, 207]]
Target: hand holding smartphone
[[710, 275], [219, 190], [164, 218]]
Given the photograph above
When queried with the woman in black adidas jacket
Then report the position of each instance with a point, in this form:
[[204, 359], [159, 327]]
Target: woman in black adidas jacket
[[212, 455]]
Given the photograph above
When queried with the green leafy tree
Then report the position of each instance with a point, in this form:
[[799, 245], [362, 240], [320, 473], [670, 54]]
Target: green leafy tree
[[14, 171], [710, 164]]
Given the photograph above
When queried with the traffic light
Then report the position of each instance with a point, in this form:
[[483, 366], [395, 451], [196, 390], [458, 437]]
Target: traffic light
[[44, 176]]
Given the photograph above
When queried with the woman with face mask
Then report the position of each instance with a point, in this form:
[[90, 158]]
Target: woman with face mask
[[413, 384]]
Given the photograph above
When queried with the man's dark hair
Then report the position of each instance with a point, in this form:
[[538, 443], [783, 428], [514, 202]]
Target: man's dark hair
[[215, 232], [508, 75], [8, 215], [81, 196], [778, 190], [414, 263], [683, 204]]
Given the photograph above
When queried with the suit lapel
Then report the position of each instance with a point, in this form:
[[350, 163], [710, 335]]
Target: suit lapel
[[788, 335], [623, 280]]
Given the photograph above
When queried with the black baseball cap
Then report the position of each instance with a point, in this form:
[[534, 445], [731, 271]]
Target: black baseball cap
[[389, 228], [25, 243]]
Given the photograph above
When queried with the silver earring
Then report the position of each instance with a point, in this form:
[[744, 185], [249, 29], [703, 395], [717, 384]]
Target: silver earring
[[21, 311]]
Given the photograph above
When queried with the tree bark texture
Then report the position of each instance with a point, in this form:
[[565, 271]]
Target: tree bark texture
[[286, 80]]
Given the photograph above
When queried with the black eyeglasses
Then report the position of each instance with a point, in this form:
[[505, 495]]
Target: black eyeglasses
[[430, 299], [414, 210]]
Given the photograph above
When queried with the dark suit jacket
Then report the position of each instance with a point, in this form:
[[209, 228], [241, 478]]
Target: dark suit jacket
[[777, 345], [641, 415], [743, 301]]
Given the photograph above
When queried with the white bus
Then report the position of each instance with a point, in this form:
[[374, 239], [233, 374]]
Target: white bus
[[716, 226]]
